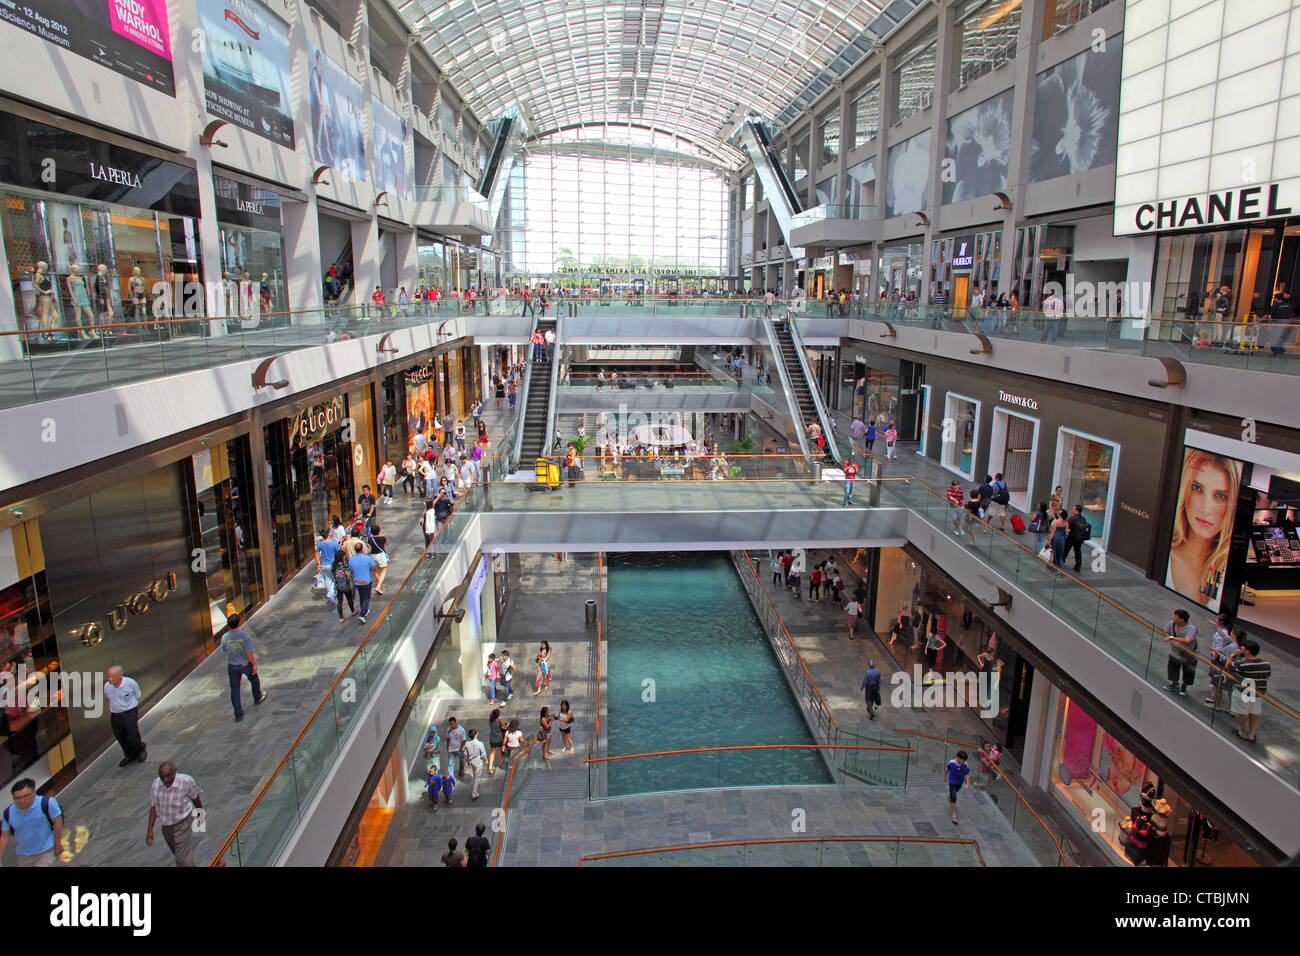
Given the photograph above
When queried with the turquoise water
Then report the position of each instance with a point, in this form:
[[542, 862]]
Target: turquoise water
[[690, 667]]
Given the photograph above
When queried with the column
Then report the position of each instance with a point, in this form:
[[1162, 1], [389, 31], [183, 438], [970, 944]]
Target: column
[[304, 267], [938, 134], [408, 260], [1022, 135], [262, 499], [209, 240], [11, 349], [365, 259]]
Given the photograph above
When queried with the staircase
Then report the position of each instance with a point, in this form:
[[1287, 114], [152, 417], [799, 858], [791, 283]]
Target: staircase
[[535, 442], [798, 384]]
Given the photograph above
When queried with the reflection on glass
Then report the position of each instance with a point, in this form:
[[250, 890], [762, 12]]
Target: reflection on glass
[[1085, 476]]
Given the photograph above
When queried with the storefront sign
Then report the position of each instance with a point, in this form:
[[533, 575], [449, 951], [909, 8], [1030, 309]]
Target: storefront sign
[[35, 155], [239, 204], [420, 374], [121, 177], [963, 253], [1228, 206], [1144, 515], [129, 37], [1030, 404], [315, 423], [246, 67]]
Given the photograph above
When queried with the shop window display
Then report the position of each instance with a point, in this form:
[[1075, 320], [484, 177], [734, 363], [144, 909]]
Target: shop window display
[[1130, 809], [31, 725], [1085, 469], [960, 433]]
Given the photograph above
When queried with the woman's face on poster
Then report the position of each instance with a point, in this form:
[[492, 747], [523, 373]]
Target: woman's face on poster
[[1207, 501]]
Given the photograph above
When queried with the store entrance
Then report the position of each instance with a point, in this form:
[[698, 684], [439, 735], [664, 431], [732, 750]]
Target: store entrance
[[1014, 443]]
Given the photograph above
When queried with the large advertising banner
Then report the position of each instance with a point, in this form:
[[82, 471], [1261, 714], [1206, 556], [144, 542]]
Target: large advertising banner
[[390, 150], [336, 117], [979, 145], [908, 188], [1076, 115], [130, 37], [1203, 519], [246, 67]]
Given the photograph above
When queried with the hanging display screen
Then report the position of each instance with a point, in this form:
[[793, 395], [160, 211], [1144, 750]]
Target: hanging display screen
[[1203, 520]]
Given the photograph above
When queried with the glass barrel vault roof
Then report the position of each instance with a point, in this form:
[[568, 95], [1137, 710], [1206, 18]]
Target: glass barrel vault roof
[[695, 68]]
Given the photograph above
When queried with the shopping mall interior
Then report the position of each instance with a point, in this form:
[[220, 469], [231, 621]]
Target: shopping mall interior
[[726, 414]]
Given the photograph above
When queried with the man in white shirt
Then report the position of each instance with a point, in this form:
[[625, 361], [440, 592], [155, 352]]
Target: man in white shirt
[[123, 696], [430, 476], [466, 475], [449, 472], [549, 338]]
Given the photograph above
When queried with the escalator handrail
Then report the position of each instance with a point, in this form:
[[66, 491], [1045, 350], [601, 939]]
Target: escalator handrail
[[823, 412], [521, 402], [548, 442], [498, 150], [765, 144], [778, 359]]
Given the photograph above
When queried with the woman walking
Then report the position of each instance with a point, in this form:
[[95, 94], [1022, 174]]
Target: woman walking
[[891, 439], [499, 393], [543, 668], [496, 740], [429, 522], [344, 586], [1039, 522], [544, 733], [565, 720], [514, 739], [408, 476], [379, 551]]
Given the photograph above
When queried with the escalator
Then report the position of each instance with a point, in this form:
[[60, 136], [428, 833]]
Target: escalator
[[495, 180], [803, 392], [538, 414], [777, 189]]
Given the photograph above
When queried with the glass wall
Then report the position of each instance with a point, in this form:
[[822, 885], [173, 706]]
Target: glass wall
[[252, 253], [799, 159], [604, 207], [861, 188], [224, 514], [1063, 14], [864, 108], [1209, 277], [914, 80], [829, 136], [1043, 254], [987, 32], [432, 265], [982, 273], [900, 272]]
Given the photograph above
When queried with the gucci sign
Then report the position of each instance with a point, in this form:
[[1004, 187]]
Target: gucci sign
[[139, 603]]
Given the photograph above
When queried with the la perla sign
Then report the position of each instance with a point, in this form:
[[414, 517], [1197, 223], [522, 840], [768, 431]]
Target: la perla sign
[[110, 174], [249, 206]]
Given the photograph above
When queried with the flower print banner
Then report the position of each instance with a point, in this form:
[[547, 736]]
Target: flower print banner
[[909, 175], [979, 147], [130, 37], [1076, 115]]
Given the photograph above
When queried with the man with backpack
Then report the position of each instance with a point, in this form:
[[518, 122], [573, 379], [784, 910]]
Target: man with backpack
[[998, 506], [1079, 532], [34, 823]]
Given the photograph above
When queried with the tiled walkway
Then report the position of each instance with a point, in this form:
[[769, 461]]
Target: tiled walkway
[[301, 650], [546, 604]]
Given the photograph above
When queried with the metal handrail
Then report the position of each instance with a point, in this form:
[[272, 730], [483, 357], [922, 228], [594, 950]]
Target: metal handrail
[[787, 389], [551, 412], [823, 412], [521, 401], [785, 840]]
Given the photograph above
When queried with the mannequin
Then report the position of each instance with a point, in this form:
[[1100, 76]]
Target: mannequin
[[231, 292], [265, 299], [80, 299], [139, 310], [46, 312], [103, 296]]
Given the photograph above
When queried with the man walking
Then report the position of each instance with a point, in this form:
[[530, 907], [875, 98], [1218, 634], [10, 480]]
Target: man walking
[[173, 798], [327, 549], [240, 661], [506, 668], [769, 300], [456, 737], [549, 340], [1182, 635], [871, 688], [1077, 532], [957, 774], [475, 756], [36, 825], [998, 506], [850, 478], [123, 695], [362, 567]]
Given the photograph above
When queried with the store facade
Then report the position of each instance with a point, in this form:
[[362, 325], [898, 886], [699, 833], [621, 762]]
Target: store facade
[[252, 250], [1041, 434], [79, 204]]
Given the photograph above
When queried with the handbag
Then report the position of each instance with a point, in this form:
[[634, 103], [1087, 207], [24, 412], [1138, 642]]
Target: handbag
[[1046, 553]]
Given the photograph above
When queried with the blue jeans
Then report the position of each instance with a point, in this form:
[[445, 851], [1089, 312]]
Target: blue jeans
[[506, 683], [848, 492], [456, 757], [538, 353], [236, 673], [363, 594]]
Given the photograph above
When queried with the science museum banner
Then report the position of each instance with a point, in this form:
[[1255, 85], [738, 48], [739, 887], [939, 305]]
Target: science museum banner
[[246, 67]]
